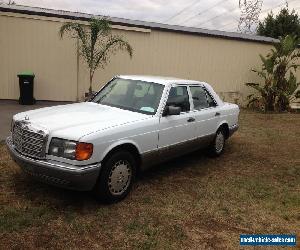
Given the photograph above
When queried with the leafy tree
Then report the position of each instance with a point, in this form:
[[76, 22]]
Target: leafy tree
[[281, 25], [96, 43], [278, 72], [250, 10]]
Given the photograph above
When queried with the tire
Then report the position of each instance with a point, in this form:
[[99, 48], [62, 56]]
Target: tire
[[116, 177], [218, 144]]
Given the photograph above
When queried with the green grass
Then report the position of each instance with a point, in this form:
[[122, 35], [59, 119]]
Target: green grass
[[15, 219], [193, 202]]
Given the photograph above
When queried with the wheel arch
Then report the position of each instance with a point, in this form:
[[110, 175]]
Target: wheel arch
[[129, 146], [224, 125]]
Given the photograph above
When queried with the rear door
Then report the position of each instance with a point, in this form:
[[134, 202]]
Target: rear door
[[206, 112]]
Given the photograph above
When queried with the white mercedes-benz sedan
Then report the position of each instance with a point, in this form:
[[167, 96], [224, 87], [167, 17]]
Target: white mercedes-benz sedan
[[132, 123]]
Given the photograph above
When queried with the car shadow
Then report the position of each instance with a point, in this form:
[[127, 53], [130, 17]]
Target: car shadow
[[190, 162], [58, 198]]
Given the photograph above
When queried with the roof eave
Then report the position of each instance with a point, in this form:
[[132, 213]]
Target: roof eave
[[135, 23]]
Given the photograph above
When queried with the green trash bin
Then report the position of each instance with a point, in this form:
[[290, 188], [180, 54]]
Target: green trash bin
[[26, 83]]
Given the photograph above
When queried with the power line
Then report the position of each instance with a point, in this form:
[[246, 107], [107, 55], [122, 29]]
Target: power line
[[232, 22], [277, 6], [267, 10], [183, 10], [204, 11], [238, 8], [217, 16], [224, 25]]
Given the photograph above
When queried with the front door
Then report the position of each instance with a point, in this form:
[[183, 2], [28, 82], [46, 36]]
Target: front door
[[176, 132]]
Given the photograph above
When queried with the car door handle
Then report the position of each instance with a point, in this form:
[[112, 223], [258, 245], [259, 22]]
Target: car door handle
[[217, 114], [191, 119]]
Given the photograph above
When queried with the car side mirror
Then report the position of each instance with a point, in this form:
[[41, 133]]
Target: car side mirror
[[171, 110]]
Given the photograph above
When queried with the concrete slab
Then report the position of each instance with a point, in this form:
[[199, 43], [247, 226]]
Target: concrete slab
[[10, 107]]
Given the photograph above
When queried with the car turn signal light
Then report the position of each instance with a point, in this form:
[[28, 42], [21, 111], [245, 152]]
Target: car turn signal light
[[83, 151]]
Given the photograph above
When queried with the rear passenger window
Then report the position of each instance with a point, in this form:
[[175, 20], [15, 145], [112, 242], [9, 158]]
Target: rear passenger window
[[201, 98], [179, 97]]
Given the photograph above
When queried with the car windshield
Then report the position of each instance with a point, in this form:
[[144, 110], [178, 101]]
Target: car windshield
[[133, 95]]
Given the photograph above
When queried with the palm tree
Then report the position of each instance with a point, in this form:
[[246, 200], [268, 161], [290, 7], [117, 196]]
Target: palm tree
[[96, 43]]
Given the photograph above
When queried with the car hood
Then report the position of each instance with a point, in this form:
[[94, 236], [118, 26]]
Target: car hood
[[74, 121]]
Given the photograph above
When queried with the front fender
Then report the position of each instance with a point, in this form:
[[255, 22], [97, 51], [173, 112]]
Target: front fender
[[116, 144]]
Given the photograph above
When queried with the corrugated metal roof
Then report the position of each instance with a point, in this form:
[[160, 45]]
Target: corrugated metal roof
[[134, 23]]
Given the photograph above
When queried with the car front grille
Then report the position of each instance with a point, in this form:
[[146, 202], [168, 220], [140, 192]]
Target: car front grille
[[29, 141]]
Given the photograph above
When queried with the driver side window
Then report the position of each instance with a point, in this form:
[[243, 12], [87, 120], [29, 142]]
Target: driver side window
[[179, 97]]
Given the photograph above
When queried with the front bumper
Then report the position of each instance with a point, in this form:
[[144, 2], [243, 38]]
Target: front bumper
[[56, 173]]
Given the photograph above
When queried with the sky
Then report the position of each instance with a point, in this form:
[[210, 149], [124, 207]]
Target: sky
[[209, 14]]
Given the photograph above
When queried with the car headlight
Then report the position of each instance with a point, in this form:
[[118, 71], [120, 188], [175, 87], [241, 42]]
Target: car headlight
[[79, 151]]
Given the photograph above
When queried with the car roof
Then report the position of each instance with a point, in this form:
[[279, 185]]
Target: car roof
[[159, 79], [167, 81]]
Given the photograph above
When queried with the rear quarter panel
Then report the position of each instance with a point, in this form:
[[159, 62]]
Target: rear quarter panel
[[230, 114]]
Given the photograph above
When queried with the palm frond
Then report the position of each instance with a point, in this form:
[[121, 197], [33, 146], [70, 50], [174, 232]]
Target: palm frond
[[96, 43], [252, 99], [114, 43], [73, 28]]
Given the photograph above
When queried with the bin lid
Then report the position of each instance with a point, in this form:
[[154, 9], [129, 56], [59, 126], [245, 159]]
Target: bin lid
[[26, 73]]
